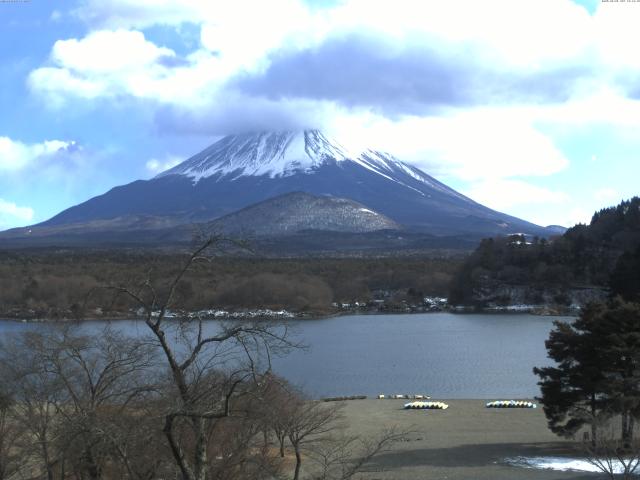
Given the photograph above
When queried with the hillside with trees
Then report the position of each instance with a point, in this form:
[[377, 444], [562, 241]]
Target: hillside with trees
[[588, 262]]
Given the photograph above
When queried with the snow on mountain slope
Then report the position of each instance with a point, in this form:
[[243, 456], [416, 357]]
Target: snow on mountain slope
[[241, 170], [276, 154], [282, 154]]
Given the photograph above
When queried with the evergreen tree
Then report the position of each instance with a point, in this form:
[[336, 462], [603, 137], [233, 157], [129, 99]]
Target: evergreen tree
[[625, 278], [598, 370], [618, 329], [573, 392]]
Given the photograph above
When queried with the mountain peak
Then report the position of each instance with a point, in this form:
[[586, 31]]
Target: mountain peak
[[245, 169], [276, 154]]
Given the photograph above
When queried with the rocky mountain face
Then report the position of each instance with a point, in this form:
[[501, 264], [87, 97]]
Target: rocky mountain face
[[242, 170]]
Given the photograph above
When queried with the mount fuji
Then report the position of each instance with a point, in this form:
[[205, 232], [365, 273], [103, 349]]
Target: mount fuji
[[241, 170]]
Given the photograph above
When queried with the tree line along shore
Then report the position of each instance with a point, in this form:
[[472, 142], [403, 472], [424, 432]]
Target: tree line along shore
[[56, 284]]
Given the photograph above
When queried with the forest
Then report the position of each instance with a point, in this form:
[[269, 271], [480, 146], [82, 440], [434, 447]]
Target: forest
[[56, 284], [604, 254]]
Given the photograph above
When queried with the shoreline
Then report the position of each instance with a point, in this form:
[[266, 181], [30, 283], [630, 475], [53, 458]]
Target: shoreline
[[284, 314]]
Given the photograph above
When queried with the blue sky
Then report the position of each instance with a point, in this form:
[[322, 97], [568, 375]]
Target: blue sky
[[530, 107]]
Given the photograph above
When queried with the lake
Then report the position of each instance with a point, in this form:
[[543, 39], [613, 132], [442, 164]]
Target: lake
[[444, 355]]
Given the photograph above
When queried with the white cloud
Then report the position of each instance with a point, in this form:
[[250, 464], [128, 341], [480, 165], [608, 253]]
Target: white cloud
[[15, 155], [604, 105], [508, 31], [238, 37], [471, 145], [116, 60], [616, 35], [103, 64], [139, 13], [108, 51], [578, 215], [517, 40], [241, 25], [565, 214], [155, 166], [473, 142], [501, 194], [243, 31], [607, 195], [12, 214]]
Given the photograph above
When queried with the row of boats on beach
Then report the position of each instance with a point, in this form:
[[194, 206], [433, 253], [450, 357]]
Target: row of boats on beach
[[511, 404], [426, 406], [495, 404], [422, 404]]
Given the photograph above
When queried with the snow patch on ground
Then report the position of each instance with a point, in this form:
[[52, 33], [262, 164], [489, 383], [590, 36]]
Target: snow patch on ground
[[561, 464], [366, 210]]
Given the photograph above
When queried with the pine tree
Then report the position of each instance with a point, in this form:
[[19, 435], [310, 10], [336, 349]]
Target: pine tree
[[598, 370], [618, 329], [625, 278], [573, 392]]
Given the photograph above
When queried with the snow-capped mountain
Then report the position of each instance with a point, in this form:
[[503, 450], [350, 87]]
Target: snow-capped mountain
[[275, 154], [284, 154], [241, 170]]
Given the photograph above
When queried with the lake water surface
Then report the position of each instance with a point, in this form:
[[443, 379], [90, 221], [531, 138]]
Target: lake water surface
[[441, 354]]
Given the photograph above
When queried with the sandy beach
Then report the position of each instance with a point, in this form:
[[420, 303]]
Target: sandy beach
[[466, 441]]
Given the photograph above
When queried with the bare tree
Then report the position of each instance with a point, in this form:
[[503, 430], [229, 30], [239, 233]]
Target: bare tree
[[308, 423], [239, 452], [343, 457], [11, 461], [100, 376], [314, 431], [138, 449], [85, 403], [208, 371], [37, 394], [278, 399]]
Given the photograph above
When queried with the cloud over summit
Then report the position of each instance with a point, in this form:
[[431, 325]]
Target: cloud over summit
[[467, 90]]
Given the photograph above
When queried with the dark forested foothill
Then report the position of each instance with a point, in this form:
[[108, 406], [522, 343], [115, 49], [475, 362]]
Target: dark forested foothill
[[574, 268], [54, 284]]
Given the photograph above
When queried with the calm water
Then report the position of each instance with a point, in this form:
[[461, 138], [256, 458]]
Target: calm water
[[440, 354]]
